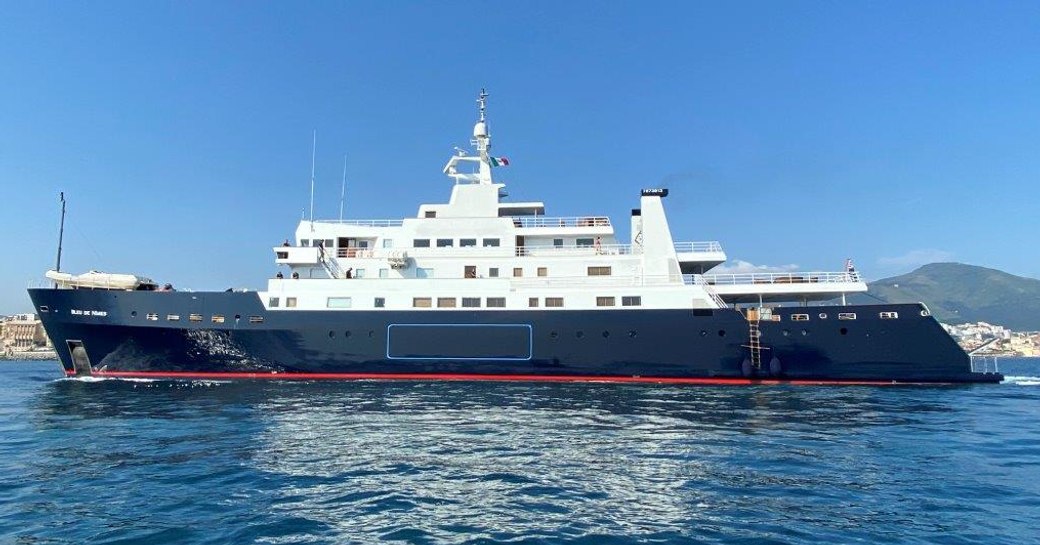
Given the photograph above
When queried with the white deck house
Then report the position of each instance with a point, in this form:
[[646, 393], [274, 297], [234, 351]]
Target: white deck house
[[476, 251]]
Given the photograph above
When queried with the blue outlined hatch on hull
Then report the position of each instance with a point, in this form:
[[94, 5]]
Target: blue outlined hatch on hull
[[502, 342]]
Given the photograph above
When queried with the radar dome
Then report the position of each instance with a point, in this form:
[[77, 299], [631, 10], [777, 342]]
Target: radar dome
[[480, 129]]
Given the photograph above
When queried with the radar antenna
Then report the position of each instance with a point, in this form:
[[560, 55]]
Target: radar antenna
[[482, 100]]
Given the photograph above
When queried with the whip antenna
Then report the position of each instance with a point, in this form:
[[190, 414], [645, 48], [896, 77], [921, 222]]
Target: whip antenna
[[343, 187]]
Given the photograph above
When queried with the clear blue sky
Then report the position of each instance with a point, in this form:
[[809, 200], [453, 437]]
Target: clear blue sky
[[797, 133]]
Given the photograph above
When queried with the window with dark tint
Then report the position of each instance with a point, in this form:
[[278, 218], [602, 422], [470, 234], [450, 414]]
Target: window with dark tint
[[599, 271], [543, 271], [554, 301], [631, 301], [496, 301], [558, 242], [421, 243], [380, 302], [584, 242], [493, 272], [446, 302], [604, 301], [518, 271], [532, 301], [445, 242], [491, 243], [431, 213], [467, 242], [471, 302]]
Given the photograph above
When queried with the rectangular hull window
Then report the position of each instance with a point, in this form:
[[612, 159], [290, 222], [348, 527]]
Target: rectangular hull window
[[463, 341]]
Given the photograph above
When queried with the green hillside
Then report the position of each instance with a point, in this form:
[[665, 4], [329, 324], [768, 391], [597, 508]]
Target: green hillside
[[958, 293]]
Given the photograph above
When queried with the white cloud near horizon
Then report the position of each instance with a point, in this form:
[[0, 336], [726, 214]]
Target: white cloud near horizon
[[737, 266], [915, 258]]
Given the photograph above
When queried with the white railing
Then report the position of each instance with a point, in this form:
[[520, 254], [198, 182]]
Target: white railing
[[594, 281], [984, 364], [699, 280], [602, 249], [366, 223], [544, 221], [781, 278], [697, 247]]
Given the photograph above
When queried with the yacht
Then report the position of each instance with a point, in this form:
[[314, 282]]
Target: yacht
[[484, 288]]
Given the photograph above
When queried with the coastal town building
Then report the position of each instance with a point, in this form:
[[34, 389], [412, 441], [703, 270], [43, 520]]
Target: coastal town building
[[22, 333], [995, 339]]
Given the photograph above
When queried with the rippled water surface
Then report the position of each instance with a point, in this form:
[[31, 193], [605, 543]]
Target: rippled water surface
[[118, 461]]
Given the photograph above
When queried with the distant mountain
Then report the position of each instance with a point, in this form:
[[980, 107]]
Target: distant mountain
[[958, 293]]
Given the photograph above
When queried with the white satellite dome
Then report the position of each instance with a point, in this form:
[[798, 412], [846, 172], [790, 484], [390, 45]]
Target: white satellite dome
[[480, 129]]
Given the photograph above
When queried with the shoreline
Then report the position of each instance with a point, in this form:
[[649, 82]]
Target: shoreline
[[30, 356]]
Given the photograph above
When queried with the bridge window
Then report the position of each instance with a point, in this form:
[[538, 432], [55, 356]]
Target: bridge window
[[584, 242], [604, 301], [421, 243], [631, 301], [599, 271], [497, 302], [554, 302], [282, 255], [431, 214], [422, 302], [445, 242], [491, 243], [337, 302], [467, 242], [446, 302]]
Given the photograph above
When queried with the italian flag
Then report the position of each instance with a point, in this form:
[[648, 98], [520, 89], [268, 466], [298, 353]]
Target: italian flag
[[499, 161]]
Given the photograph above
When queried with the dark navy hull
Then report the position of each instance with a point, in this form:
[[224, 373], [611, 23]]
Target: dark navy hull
[[116, 336]]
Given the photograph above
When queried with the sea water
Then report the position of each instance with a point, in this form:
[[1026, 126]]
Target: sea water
[[120, 461]]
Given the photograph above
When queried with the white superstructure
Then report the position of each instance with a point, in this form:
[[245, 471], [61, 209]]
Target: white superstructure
[[477, 251]]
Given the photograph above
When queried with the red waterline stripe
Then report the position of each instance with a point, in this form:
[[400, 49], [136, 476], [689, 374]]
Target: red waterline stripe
[[480, 377]]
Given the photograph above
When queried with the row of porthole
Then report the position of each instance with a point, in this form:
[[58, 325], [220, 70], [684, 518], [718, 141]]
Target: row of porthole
[[787, 332], [347, 334], [581, 334]]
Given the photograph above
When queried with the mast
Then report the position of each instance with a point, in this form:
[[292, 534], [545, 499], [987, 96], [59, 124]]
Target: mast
[[343, 187], [314, 146], [61, 232]]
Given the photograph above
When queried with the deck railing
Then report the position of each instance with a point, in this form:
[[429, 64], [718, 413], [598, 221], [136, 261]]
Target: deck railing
[[366, 223], [697, 247], [576, 221], [984, 364], [781, 278]]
